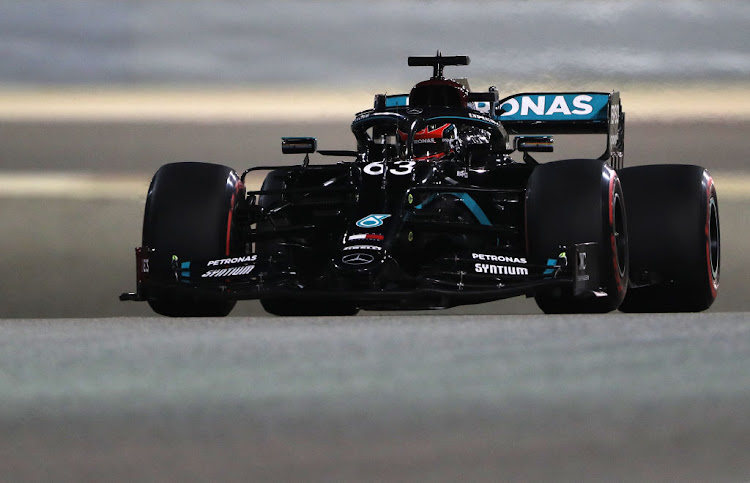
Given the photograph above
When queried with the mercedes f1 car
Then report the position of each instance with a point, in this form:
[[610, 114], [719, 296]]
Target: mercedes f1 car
[[432, 211]]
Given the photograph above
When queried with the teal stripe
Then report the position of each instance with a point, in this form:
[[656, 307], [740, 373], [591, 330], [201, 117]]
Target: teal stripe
[[396, 101], [473, 207], [468, 201]]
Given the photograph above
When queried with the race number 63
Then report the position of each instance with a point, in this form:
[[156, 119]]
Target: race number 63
[[401, 168]]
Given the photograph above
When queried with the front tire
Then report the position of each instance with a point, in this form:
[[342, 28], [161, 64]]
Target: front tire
[[188, 214], [578, 201]]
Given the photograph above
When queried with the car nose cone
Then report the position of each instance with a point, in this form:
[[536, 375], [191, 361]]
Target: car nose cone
[[358, 259]]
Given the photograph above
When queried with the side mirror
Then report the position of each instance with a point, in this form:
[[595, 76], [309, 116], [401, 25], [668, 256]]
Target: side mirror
[[534, 144], [298, 145]]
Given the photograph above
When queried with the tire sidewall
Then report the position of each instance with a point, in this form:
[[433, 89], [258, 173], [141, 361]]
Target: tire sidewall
[[189, 215], [674, 223], [578, 201]]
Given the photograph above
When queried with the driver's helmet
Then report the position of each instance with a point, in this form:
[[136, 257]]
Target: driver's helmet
[[435, 142]]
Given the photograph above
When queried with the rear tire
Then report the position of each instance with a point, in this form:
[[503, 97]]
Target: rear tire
[[189, 214], [675, 238], [578, 201]]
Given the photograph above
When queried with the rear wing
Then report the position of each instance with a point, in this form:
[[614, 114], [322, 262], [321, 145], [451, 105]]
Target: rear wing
[[567, 113], [554, 113]]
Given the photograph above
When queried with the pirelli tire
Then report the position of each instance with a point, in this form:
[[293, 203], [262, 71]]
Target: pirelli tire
[[578, 201], [188, 214], [675, 238], [282, 306]]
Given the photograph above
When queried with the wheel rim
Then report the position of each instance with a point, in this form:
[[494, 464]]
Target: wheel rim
[[714, 248], [620, 234]]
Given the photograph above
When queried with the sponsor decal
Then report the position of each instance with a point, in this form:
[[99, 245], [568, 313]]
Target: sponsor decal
[[358, 259], [414, 110], [555, 107], [500, 269], [538, 105], [366, 236], [363, 247], [497, 258], [362, 116], [372, 221], [229, 261], [229, 272]]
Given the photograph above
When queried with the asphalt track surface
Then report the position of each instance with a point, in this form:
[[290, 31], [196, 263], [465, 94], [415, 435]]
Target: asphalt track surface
[[467, 394], [398, 398]]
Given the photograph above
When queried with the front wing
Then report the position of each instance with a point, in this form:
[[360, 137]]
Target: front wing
[[460, 280]]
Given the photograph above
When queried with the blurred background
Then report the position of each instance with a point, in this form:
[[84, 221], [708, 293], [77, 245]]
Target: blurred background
[[362, 44], [96, 94]]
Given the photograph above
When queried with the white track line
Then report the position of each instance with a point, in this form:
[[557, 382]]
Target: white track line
[[729, 102], [83, 186], [732, 186], [88, 186], [73, 186], [180, 106]]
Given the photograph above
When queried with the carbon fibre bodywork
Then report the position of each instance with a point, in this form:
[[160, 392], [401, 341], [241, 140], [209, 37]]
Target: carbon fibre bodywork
[[387, 229]]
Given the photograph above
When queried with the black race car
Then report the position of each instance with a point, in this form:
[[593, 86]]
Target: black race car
[[431, 211]]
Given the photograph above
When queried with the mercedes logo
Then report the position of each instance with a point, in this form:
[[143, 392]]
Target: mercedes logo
[[357, 259]]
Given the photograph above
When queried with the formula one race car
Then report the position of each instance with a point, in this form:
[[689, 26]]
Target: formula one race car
[[431, 211]]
